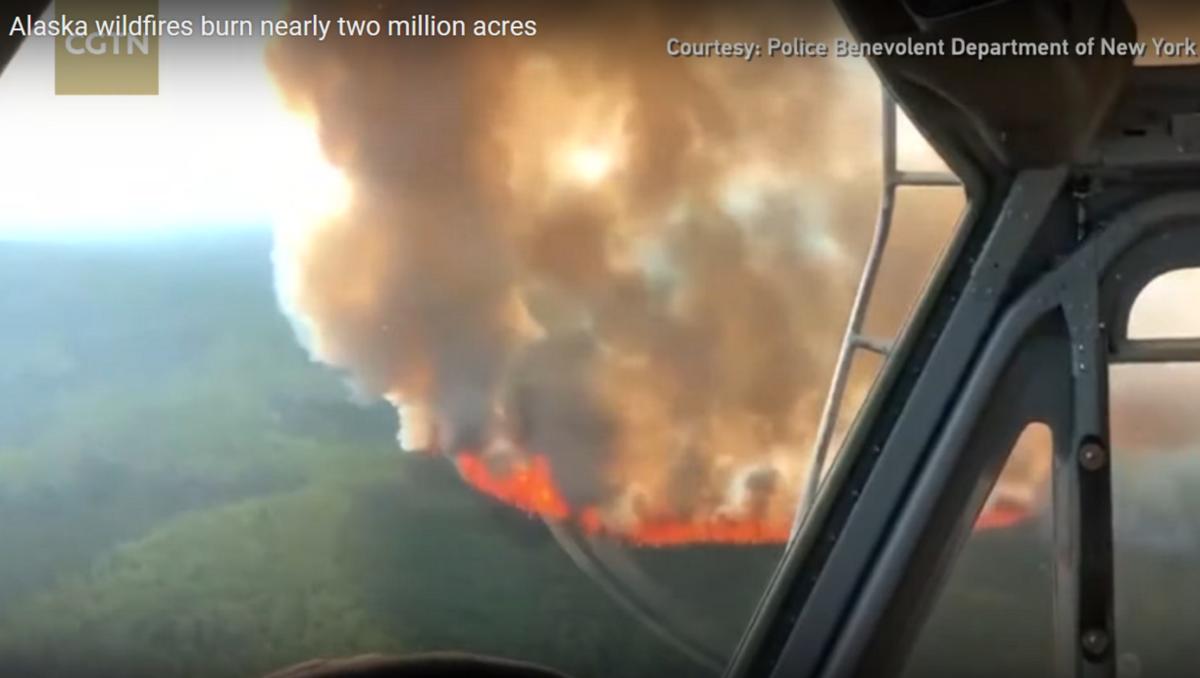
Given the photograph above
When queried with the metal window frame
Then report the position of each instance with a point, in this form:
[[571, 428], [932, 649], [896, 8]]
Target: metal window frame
[[1077, 243], [853, 339]]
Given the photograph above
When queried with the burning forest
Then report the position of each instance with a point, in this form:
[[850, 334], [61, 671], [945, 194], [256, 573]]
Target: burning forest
[[607, 285]]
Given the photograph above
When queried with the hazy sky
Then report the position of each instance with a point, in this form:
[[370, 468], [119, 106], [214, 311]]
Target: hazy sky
[[215, 148]]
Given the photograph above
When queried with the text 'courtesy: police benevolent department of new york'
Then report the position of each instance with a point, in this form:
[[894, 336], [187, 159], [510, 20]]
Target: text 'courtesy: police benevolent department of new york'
[[798, 47]]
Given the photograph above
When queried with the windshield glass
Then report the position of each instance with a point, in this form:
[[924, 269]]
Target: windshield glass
[[513, 345]]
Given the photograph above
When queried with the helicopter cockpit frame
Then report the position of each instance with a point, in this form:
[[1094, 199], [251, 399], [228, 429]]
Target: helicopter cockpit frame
[[1080, 175]]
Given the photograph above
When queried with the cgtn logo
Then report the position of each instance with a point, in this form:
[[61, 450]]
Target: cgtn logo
[[97, 43], [105, 58]]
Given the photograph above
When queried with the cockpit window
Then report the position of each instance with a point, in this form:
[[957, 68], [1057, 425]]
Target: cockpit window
[[994, 616], [1163, 308], [1156, 529]]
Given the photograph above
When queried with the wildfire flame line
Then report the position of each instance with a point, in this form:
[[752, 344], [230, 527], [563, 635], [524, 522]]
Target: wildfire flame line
[[528, 485]]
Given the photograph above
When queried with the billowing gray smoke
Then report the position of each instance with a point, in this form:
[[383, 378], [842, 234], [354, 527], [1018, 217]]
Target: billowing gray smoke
[[574, 246]]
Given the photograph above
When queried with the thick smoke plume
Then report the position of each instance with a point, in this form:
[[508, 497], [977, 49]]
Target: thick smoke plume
[[572, 248]]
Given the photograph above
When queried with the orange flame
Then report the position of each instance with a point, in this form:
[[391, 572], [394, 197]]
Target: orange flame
[[1002, 514], [528, 484]]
